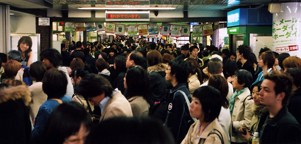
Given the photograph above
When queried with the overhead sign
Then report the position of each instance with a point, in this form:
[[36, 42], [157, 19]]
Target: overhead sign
[[127, 2], [127, 15], [44, 21], [194, 23], [233, 30]]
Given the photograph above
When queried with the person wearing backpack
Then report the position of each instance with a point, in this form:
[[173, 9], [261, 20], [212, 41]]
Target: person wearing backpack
[[206, 105], [178, 119], [241, 104]]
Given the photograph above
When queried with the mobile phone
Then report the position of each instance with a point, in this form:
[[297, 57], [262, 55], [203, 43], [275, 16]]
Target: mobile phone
[[244, 131]]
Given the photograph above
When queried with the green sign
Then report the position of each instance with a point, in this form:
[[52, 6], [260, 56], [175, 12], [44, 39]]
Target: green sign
[[233, 30]]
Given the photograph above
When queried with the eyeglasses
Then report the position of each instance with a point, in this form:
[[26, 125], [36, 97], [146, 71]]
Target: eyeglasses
[[168, 69]]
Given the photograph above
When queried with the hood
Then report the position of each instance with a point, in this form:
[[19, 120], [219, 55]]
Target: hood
[[259, 110], [157, 68], [15, 93], [105, 72]]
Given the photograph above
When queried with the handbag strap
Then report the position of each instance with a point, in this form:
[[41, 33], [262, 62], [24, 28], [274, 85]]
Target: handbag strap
[[187, 101]]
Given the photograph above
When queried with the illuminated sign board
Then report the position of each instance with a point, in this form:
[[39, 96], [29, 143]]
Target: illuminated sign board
[[237, 17], [233, 30], [127, 15], [233, 2], [194, 23]]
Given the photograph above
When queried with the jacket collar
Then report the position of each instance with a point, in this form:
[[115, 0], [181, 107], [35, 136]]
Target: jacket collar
[[278, 116], [157, 68], [179, 86], [244, 94], [15, 93]]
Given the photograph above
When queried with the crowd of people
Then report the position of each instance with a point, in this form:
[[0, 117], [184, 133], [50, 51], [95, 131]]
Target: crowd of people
[[135, 91]]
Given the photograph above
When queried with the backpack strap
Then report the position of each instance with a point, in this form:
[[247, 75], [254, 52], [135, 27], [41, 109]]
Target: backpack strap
[[218, 133], [58, 100], [187, 101]]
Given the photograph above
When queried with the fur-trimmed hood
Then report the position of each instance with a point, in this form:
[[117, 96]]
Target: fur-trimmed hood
[[157, 68], [15, 93]]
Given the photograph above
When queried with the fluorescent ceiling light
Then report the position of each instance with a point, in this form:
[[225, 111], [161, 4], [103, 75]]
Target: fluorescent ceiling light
[[126, 8]]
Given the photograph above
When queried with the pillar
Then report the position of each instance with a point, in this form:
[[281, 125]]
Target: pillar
[[4, 28]]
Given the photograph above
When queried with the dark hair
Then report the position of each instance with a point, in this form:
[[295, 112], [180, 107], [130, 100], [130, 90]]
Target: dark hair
[[215, 66], [138, 59], [120, 63], [54, 83], [295, 73], [229, 68], [291, 62], [101, 64], [263, 50], [78, 44], [37, 70], [281, 58], [192, 48], [15, 55], [152, 46], [26, 39], [244, 50], [205, 53], [226, 52], [252, 58], [144, 129], [283, 83], [268, 58], [244, 77], [180, 69], [220, 83], [3, 56], [275, 54], [137, 82], [76, 63], [78, 72], [64, 121], [93, 85], [257, 84], [78, 54], [167, 57], [194, 68], [11, 68], [154, 57], [232, 54], [54, 57], [104, 55], [211, 101]]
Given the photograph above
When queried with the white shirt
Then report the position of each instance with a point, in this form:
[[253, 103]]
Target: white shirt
[[104, 101]]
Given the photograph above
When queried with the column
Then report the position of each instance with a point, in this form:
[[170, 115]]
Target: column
[[4, 28]]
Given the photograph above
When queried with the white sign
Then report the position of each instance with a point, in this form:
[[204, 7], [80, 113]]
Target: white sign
[[44, 21]]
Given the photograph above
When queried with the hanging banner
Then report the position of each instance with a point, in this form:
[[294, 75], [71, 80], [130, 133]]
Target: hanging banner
[[132, 30], [197, 31], [90, 27], [185, 31], [207, 30], [153, 28], [100, 26], [142, 29], [80, 27], [110, 28], [120, 29], [69, 27], [165, 30], [175, 30]]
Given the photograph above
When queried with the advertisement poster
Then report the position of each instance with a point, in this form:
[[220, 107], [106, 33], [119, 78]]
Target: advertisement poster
[[175, 30], [120, 29], [153, 28], [80, 27], [286, 30], [110, 28], [90, 27], [100, 26], [142, 29], [185, 31], [197, 31], [132, 30], [165, 30], [69, 27], [207, 30]]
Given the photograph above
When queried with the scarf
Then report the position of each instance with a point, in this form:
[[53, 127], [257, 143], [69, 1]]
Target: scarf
[[233, 98]]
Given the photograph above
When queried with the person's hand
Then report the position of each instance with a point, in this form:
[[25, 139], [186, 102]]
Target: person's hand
[[247, 135], [230, 79]]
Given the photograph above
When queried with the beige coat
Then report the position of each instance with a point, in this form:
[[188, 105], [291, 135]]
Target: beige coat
[[190, 137], [38, 98], [242, 114], [193, 83], [118, 105], [139, 106]]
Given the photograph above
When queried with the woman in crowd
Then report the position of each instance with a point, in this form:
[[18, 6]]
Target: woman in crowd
[[241, 104], [37, 71], [68, 123], [54, 85], [136, 83], [224, 119], [24, 46], [195, 75], [102, 68], [206, 105], [291, 62], [77, 63], [178, 119], [258, 110], [11, 68], [120, 69], [266, 62]]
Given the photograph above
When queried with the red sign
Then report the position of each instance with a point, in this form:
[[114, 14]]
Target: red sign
[[123, 16], [127, 16], [287, 48]]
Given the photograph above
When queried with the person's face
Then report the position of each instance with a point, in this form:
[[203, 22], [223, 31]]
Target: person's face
[[267, 93], [232, 57], [124, 82], [239, 56], [255, 95], [47, 63], [168, 48], [184, 52], [97, 99], [93, 48], [168, 76], [79, 137], [235, 83], [24, 46], [195, 109], [67, 44], [128, 62], [260, 62], [276, 61], [194, 53], [111, 54], [114, 46]]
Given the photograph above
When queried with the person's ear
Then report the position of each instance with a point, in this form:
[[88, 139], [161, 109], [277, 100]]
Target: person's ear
[[280, 96]]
